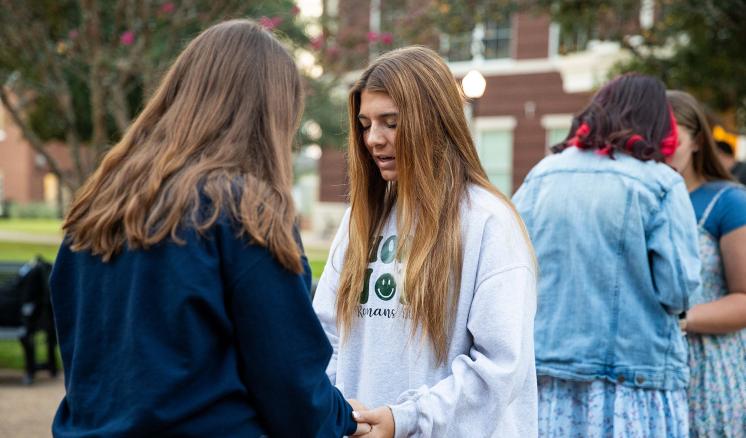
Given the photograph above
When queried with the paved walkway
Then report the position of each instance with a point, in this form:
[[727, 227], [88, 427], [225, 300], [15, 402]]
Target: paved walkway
[[27, 411], [18, 236]]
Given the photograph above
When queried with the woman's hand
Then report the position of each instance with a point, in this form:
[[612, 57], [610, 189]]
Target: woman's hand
[[362, 427], [380, 419]]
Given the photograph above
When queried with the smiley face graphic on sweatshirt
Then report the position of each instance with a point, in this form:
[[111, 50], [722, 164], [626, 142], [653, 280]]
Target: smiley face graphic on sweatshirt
[[384, 285]]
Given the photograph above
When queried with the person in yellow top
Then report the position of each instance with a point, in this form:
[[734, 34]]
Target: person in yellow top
[[726, 148]]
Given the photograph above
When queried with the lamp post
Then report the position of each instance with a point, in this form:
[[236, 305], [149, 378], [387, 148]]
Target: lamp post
[[473, 85]]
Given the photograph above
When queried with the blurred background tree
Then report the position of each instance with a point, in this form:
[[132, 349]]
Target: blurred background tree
[[695, 45], [78, 72]]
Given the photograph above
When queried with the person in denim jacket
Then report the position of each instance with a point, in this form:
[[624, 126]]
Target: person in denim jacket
[[616, 242]]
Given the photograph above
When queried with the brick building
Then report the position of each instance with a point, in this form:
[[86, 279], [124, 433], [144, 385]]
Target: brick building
[[537, 78], [24, 176]]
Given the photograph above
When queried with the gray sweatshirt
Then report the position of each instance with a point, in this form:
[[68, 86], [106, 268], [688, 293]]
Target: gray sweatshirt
[[487, 386]]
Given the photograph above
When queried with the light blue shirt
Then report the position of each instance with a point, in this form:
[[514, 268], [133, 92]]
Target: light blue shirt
[[616, 242]]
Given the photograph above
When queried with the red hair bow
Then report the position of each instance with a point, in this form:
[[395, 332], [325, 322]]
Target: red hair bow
[[671, 142], [580, 133], [668, 144]]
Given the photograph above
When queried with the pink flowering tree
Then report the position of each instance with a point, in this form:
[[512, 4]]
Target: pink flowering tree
[[77, 72]]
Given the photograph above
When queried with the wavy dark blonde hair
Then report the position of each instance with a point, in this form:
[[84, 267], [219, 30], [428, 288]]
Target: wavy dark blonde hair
[[214, 139], [436, 162]]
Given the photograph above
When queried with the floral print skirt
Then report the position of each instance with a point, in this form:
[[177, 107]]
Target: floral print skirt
[[600, 408], [717, 389]]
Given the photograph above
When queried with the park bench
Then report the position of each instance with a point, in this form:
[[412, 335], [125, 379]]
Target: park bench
[[25, 310]]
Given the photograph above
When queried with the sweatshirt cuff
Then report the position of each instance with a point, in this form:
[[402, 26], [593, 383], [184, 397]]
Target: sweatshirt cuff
[[405, 418], [350, 423]]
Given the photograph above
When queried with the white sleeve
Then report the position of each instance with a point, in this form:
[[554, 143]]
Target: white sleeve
[[324, 301], [477, 398]]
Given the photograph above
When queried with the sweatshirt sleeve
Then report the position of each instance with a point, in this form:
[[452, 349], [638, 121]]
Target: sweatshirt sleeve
[[674, 250], [324, 302], [477, 397], [282, 349]]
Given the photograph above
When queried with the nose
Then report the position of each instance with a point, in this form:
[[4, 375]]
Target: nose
[[374, 137]]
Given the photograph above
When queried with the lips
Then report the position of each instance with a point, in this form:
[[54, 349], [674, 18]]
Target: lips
[[386, 162]]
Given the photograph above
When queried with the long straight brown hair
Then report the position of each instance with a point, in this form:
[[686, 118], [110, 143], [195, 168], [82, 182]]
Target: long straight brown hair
[[690, 115], [214, 138], [436, 162]]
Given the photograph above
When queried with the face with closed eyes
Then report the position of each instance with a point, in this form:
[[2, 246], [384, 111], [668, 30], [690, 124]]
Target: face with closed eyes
[[379, 117]]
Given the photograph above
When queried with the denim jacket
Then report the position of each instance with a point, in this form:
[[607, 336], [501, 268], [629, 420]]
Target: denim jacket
[[616, 241]]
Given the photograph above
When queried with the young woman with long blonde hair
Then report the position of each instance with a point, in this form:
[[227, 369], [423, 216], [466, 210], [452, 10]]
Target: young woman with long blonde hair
[[180, 294], [428, 295]]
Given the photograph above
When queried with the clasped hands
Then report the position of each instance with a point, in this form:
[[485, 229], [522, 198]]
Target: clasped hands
[[372, 423]]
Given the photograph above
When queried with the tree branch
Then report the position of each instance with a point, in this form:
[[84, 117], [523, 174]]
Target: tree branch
[[36, 143]]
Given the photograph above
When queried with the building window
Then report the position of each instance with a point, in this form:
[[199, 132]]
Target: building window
[[555, 136], [490, 40], [496, 40], [575, 39], [495, 148], [51, 187], [456, 47], [556, 127]]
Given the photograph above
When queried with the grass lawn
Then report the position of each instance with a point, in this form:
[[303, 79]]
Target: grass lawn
[[32, 226], [23, 252], [11, 353]]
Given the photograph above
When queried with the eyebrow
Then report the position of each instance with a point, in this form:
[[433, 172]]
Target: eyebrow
[[384, 115]]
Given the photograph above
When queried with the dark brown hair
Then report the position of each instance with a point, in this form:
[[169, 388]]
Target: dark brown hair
[[632, 105], [216, 135], [690, 115]]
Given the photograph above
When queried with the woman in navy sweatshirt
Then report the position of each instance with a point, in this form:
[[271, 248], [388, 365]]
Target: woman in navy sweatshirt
[[180, 292]]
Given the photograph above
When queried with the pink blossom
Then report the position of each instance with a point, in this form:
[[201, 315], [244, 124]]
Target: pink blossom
[[295, 10], [372, 37], [333, 50], [73, 34], [127, 38], [317, 42], [387, 38], [168, 7], [270, 23]]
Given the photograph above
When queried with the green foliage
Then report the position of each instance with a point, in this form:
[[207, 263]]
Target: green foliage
[[709, 55], [117, 49], [694, 45], [459, 16], [32, 210], [327, 108]]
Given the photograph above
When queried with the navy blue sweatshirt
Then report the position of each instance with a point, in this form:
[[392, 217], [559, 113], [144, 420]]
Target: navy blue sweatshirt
[[211, 338]]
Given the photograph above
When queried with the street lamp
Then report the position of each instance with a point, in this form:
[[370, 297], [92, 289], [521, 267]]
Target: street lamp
[[473, 85]]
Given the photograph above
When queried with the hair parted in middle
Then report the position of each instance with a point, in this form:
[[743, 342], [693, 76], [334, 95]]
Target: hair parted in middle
[[436, 161]]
